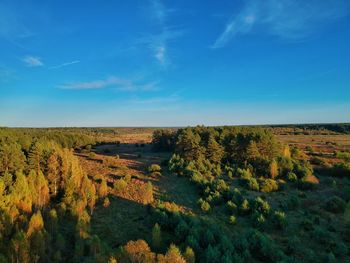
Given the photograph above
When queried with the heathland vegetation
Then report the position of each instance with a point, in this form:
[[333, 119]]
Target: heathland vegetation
[[196, 194]]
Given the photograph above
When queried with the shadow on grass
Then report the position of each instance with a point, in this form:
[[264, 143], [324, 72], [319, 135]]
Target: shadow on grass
[[121, 221]]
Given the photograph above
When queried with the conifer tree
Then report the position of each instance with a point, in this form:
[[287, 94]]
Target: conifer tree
[[39, 188], [273, 169], [34, 157], [214, 151], [189, 255], [156, 236], [12, 158], [53, 175], [36, 223], [20, 248], [173, 255], [20, 194], [103, 189]]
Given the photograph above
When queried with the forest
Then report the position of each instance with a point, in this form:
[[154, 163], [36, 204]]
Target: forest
[[191, 194]]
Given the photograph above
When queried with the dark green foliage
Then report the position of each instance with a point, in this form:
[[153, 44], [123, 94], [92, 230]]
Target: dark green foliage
[[341, 169], [335, 205], [164, 140], [292, 177]]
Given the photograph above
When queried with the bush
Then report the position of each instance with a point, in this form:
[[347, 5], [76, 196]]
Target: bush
[[120, 185], [335, 205], [292, 177], [154, 168], [205, 206], [233, 219], [231, 206], [340, 249], [244, 173], [308, 182], [279, 219], [244, 207], [268, 185], [106, 202], [258, 219], [261, 206], [250, 183]]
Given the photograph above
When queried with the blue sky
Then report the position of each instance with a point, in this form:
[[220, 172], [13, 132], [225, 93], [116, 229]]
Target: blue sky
[[174, 63]]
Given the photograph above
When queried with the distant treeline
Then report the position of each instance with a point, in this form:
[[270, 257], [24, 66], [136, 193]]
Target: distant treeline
[[334, 127]]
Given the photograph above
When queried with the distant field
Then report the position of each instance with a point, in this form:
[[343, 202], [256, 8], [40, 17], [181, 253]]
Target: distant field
[[320, 143]]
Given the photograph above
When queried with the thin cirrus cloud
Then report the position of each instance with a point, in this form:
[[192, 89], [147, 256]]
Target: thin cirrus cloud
[[159, 43], [116, 82], [32, 61], [288, 19], [65, 64]]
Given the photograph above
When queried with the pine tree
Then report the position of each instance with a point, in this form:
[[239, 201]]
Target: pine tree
[[252, 151], [36, 223], [173, 255], [286, 151], [156, 236], [20, 194], [20, 248], [188, 145], [189, 255], [273, 169], [53, 175], [12, 158], [103, 189], [34, 157], [139, 251], [214, 151], [39, 188]]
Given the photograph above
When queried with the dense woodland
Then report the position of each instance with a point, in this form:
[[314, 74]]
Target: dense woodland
[[258, 200]]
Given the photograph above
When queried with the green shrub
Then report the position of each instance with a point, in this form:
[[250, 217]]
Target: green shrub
[[340, 249], [261, 206], [268, 185], [154, 168], [263, 248], [250, 183], [335, 205], [244, 173], [308, 182], [322, 236], [231, 206], [279, 219], [292, 177], [244, 208], [204, 205], [343, 155], [258, 220], [233, 219]]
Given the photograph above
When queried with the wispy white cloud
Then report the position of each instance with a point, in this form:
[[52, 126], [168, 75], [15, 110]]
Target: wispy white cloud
[[159, 43], [32, 61], [291, 19], [65, 64], [160, 54], [113, 81]]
